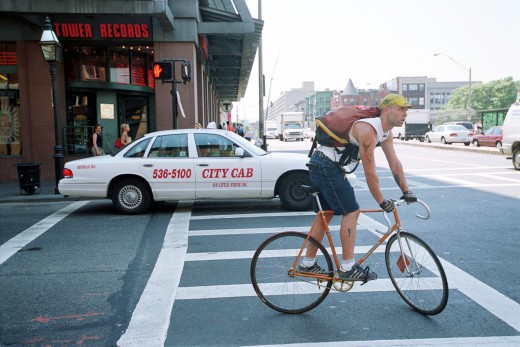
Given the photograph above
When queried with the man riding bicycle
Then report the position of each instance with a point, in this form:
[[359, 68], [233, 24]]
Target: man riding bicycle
[[337, 194]]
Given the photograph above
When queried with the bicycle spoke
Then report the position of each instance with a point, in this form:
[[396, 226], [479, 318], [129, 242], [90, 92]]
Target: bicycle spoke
[[273, 283]]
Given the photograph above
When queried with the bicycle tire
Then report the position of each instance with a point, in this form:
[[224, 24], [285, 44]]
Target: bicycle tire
[[426, 290], [270, 274]]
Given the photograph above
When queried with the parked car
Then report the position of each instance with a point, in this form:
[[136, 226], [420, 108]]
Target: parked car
[[449, 134], [467, 125], [188, 164], [490, 138], [511, 134]]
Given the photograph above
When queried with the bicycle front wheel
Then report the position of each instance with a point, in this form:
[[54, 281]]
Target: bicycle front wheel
[[273, 282], [416, 273]]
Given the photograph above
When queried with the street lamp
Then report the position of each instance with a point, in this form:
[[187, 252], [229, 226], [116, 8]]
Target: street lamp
[[51, 49], [470, 109]]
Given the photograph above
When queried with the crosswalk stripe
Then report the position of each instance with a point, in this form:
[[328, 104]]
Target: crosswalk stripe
[[151, 317], [18, 242], [236, 255], [245, 290]]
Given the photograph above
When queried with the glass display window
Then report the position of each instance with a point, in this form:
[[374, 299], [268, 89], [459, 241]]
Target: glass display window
[[124, 65]]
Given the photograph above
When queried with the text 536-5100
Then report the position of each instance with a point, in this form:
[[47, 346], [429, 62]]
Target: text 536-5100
[[173, 173]]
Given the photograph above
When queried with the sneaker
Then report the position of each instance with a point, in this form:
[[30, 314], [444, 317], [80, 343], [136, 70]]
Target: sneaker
[[357, 273], [313, 269]]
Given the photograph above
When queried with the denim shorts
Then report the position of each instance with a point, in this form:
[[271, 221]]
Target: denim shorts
[[336, 193]]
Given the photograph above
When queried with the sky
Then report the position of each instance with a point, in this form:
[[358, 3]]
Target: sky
[[374, 41]]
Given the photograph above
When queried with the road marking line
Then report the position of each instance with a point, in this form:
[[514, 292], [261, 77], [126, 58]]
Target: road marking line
[[416, 184], [8, 249], [151, 317], [254, 215], [245, 290], [496, 177], [490, 299], [493, 341], [235, 255]]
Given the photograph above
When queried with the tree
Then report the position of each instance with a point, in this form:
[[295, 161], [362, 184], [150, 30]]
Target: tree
[[485, 96]]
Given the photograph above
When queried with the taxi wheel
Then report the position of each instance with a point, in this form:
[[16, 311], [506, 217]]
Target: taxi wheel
[[292, 195], [131, 196]]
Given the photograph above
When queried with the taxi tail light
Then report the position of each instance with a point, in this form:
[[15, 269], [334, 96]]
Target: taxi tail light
[[67, 173]]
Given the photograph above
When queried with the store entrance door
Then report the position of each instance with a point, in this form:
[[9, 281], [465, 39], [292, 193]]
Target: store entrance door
[[134, 111]]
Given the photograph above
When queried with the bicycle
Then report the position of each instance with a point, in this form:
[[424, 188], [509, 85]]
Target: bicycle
[[413, 268]]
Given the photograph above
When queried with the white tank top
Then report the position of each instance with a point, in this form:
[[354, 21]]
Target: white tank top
[[374, 122]]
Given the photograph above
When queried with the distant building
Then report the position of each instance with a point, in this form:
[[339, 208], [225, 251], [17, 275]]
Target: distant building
[[439, 93], [287, 99], [421, 91], [317, 104], [424, 92], [351, 95]]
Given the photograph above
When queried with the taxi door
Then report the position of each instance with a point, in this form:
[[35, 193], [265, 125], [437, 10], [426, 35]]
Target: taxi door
[[169, 168], [220, 174]]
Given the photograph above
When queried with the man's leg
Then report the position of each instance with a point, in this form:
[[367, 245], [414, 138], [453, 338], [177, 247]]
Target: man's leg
[[348, 234], [349, 270], [317, 233]]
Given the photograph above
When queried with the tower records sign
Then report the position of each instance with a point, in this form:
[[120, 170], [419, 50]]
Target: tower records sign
[[103, 28]]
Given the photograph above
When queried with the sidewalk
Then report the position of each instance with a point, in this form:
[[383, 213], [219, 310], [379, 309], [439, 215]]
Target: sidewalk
[[11, 192]]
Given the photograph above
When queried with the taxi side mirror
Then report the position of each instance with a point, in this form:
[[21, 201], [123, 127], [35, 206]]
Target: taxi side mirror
[[239, 152]]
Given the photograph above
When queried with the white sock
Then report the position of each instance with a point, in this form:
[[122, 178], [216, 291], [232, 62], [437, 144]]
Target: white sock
[[308, 262], [347, 264]]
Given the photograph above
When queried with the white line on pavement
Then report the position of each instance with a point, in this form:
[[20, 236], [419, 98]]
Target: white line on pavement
[[151, 317], [8, 249]]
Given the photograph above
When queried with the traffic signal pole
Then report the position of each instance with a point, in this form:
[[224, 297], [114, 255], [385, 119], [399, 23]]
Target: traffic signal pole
[[175, 107], [165, 71]]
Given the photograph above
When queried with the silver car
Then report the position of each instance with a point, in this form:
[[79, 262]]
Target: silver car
[[449, 134]]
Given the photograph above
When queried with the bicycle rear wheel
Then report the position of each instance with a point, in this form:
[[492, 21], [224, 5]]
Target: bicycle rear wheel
[[417, 276], [273, 283]]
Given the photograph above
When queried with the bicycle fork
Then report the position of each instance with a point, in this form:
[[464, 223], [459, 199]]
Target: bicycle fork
[[403, 263]]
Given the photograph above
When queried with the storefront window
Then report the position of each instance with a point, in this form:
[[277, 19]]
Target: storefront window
[[126, 65], [10, 141], [120, 65], [139, 69], [93, 64]]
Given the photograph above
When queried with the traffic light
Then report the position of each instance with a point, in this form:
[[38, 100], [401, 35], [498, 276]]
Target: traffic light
[[186, 72], [163, 70]]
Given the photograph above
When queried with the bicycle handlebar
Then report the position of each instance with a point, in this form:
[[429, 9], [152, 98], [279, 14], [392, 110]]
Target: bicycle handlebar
[[399, 202]]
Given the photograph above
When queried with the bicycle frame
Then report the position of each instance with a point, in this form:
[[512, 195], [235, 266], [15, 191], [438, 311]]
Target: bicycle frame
[[322, 216]]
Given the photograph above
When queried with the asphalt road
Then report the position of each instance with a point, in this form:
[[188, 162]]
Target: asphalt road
[[78, 274]]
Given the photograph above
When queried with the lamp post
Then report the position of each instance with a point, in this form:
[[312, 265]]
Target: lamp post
[[469, 106], [51, 49]]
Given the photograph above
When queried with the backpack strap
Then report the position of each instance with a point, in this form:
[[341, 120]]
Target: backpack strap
[[313, 147]]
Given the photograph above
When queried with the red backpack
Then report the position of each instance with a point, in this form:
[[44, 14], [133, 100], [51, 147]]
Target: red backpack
[[333, 127]]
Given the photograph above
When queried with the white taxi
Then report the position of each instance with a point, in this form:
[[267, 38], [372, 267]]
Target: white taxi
[[188, 164]]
